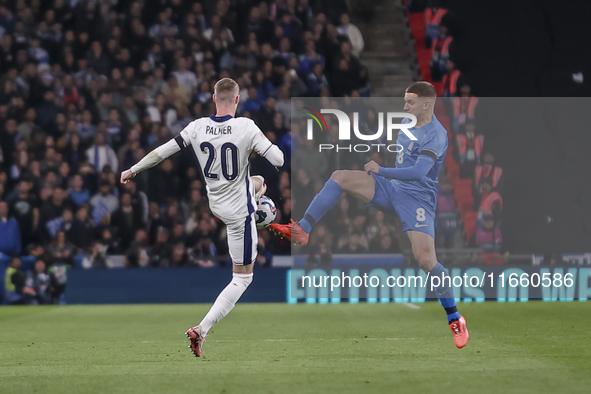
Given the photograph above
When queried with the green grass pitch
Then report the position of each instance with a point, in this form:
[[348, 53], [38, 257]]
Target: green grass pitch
[[533, 347]]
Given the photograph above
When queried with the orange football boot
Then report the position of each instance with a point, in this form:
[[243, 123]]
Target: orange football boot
[[291, 231], [460, 331], [197, 339]]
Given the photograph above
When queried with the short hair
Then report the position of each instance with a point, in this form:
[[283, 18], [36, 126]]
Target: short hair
[[226, 89], [422, 89]]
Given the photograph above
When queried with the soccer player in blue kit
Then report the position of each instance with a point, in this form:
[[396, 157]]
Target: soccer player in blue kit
[[409, 191]]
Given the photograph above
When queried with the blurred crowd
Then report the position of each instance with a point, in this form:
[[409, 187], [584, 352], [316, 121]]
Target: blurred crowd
[[88, 87]]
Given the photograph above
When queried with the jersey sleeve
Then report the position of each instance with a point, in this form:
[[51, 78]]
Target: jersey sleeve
[[183, 139], [433, 144], [260, 142]]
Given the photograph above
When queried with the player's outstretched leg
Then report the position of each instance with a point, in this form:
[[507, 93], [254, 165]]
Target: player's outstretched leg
[[423, 246], [359, 184], [242, 246], [221, 307]]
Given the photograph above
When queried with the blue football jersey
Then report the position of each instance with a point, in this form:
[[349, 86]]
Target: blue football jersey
[[431, 137]]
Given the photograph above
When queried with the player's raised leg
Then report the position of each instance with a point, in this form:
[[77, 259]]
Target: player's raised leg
[[357, 183], [242, 244], [423, 248]]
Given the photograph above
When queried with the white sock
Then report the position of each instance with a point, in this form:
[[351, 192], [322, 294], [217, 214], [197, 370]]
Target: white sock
[[226, 300]]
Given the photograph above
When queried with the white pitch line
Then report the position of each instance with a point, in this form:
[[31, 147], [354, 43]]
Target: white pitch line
[[412, 306], [313, 339]]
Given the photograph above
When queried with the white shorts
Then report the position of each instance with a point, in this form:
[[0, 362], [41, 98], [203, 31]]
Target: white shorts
[[243, 240]]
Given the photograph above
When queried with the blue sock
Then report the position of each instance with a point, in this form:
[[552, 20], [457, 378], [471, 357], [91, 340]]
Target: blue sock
[[322, 203], [445, 293]]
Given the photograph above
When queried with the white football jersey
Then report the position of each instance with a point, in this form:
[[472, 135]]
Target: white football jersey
[[223, 146]]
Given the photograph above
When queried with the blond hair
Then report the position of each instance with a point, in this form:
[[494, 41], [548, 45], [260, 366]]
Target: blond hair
[[226, 90]]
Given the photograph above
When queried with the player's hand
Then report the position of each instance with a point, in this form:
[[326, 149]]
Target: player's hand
[[372, 167], [126, 176]]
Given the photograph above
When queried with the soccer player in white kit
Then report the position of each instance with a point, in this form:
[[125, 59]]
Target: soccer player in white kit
[[223, 145]]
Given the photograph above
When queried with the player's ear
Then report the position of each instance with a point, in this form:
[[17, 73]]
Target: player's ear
[[214, 98], [237, 99]]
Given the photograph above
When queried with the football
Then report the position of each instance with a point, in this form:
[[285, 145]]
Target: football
[[265, 213]]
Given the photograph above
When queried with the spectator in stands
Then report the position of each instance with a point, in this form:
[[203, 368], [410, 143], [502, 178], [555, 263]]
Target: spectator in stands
[[440, 54], [138, 253], [104, 198], [77, 193], [83, 230], [433, 16], [178, 235], [25, 209], [161, 252], [74, 154], [385, 244], [180, 257], [346, 72], [40, 281], [450, 79], [468, 149], [491, 204], [353, 245], [353, 34], [316, 81], [205, 250], [253, 104], [376, 225], [184, 76], [15, 291], [172, 216], [25, 129], [61, 251], [126, 219], [100, 154], [464, 106], [111, 243], [10, 233], [39, 252], [66, 223], [154, 222], [139, 200], [95, 257], [20, 165], [487, 236], [488, 172], [358, 226], [164, 185]]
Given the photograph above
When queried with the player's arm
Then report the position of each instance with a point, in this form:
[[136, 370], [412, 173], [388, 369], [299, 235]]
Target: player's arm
[[424, 163], [156, 156], [274, 155], [266, 148]]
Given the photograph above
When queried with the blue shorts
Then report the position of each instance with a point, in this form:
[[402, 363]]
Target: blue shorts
[[416, 209]]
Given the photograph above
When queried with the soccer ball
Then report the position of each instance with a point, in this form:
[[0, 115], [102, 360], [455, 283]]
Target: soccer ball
[[265, 213]]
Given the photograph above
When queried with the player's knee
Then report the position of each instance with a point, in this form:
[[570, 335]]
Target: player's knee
[[257, 183], [427, 264], [342, 178], [425, 259], [243, 280], [339, 177]]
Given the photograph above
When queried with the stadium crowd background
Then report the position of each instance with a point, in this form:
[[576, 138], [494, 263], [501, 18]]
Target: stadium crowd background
[[88, 87]]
